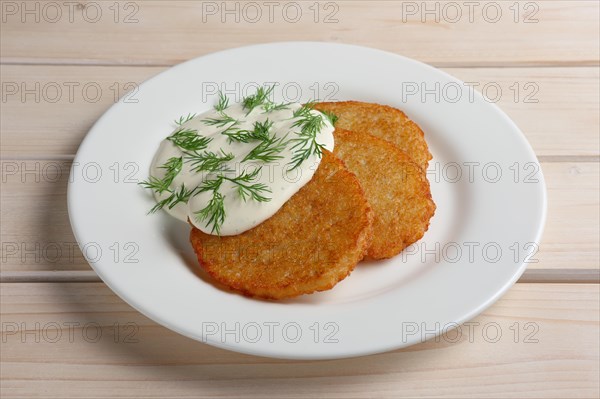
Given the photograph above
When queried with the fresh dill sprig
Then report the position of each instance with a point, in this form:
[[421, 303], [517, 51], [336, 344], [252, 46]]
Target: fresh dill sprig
[[223, 102], [184, 119], [268, 150], [259, 98], [161, 204], [223, 120], [183, 195], [189, 140], [260, 131], [211, 185], [213, 213], [305, 110], [208, 161], [333, 118], [311, 123], [245, 189], [271, 106], [173, 167], [238, 135], [177, 196], [305, 144]]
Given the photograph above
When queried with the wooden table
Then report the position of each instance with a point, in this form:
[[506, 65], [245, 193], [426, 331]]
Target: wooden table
[[65, 334]]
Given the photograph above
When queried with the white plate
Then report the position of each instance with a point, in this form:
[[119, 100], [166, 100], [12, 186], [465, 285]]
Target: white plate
[[486, 224]]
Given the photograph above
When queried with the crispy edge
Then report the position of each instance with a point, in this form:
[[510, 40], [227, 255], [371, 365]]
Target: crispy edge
[[387, 247], [325, 281]]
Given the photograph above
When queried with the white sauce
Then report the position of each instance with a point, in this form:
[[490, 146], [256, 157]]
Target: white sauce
[[283, 183]]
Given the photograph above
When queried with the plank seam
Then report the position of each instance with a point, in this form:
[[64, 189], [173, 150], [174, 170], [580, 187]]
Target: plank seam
[[539, 276]]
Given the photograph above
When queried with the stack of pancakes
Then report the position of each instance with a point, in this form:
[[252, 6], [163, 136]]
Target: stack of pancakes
[[370, 199]]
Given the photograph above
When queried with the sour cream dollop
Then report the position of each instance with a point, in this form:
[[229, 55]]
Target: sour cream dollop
[[235, 166]]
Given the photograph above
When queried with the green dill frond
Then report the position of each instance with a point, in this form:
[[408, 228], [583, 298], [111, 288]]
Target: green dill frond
[[249, 176], [213, 213], [245, 189], [161, 204], [208, 161], [182, 195], [177, 196], [211, 185], [173, 167], [271, 106], [221, 121], [189, 140], [154, 184], [259, 98], [311, 123], [304, 110], [305, 144], [268, 150], [254, 191], [223, 102], [184, 119], [333, 118], [260, 131]]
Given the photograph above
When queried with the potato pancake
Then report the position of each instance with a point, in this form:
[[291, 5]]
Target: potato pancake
[[395, 187], [381, 121], [314, 241]]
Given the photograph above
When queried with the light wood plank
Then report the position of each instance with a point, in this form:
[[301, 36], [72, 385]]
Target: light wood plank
[[572, 237], [442, 32], [35, 239], [557, 108], [563, 362], [66, 101]]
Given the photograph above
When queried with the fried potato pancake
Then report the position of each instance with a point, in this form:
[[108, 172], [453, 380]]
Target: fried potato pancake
[[396, 188], [314, 241], [381, 121]]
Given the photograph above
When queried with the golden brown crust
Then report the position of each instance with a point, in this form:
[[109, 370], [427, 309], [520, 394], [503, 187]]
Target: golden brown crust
[[384, 122], [396, 188], [314, 241]]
